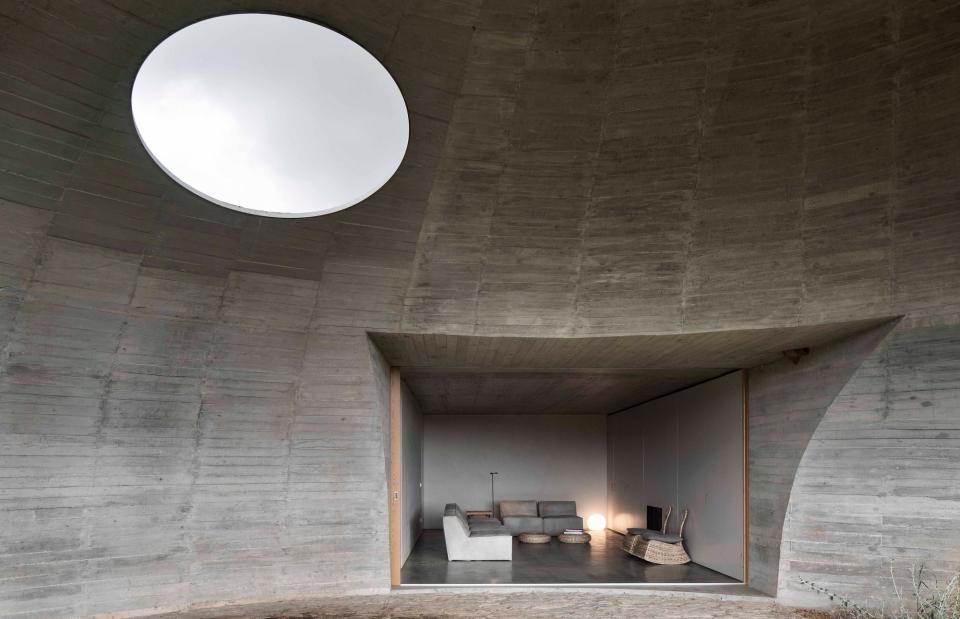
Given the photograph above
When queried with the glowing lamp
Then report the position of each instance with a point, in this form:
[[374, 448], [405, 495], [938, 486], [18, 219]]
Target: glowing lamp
[[596, 522]]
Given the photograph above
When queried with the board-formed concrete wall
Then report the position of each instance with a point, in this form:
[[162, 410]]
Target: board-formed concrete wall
[[878, 485], [618, 167], [190, 408], [787, 401], [163, 440], [190, 411]]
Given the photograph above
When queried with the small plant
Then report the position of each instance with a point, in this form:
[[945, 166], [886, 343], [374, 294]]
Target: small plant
[[922, 602], [847, 607]]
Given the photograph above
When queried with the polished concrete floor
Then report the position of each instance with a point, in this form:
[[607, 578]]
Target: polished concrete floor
[[600, 562]]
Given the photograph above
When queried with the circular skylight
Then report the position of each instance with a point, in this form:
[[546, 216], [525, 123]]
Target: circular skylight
[[270, 115]]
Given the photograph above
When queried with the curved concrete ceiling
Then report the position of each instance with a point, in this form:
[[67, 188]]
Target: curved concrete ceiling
[[573, 169]]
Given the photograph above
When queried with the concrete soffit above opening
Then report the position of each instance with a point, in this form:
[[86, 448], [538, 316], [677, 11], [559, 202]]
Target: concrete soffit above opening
[[464, 374]]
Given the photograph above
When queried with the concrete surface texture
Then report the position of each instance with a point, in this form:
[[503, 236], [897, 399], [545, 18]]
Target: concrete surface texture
[[191, 410], [507, 605]]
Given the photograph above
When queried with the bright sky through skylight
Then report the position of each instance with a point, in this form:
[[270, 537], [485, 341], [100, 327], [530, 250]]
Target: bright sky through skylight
[[270, 115]]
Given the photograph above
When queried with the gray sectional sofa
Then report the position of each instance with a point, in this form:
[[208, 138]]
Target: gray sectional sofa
[[550, 517], [476, 539]]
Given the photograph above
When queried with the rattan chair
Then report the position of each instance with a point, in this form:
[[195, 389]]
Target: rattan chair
[[666, 521], [660, 548]]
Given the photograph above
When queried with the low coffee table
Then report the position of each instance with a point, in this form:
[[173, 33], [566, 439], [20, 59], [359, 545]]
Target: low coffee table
[[534, 538], [574, 538]]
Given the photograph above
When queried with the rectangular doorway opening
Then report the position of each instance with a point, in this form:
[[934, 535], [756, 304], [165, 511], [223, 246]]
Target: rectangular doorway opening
[[513, 435], [543, 453]]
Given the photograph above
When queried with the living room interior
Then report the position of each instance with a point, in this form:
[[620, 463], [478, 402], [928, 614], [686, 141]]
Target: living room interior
[[594, 462]]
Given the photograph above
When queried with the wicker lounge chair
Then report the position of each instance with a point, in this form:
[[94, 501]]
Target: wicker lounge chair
[[658, 546]]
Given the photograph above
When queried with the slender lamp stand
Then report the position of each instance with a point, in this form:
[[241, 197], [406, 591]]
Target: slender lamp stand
[[493, 504]]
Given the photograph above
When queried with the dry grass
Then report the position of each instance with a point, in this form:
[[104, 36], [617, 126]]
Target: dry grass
[[923, 600]]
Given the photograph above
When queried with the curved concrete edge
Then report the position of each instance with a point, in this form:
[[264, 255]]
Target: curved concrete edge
[[787, 402]]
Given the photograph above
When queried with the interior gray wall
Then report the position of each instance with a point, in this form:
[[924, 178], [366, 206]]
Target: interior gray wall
[[684, 450], [411, 472], [539, 457], [710, 471]]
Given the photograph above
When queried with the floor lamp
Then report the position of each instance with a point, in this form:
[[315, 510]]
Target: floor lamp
[[493, 504]]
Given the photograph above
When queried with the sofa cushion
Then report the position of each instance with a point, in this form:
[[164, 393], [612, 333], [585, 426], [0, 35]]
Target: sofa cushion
[[555, 525], [558, 508], [518, 508], [523, 524]]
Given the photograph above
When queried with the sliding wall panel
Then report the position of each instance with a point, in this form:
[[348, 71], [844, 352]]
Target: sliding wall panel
[[625, 473], [660, 456], [684, 451], [710, 472]]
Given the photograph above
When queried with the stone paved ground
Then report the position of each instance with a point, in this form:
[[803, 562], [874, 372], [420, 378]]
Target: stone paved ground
[[503, 605]]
